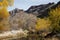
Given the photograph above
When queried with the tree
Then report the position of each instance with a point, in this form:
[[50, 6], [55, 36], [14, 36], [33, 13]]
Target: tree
[[43, 24], [3, 7], [6, 3], [55, 19], [4, 14]]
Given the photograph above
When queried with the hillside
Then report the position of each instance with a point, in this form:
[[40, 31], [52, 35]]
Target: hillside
[[27, 20], [42, 10]]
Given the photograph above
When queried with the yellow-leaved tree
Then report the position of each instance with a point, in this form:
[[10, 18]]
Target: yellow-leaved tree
[[4, 14], [55, 19], [43, 24], [6, 3]]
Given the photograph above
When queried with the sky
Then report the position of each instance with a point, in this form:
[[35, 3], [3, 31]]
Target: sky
[[25, 4]]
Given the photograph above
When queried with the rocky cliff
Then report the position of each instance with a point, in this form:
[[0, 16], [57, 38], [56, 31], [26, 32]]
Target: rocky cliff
[[42, 10]]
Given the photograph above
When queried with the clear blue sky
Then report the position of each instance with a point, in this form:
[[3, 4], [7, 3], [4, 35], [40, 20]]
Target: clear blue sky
[[25, 4]]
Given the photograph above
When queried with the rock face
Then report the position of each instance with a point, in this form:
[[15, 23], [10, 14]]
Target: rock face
[[38, 7], [13, 12], [42, 10]]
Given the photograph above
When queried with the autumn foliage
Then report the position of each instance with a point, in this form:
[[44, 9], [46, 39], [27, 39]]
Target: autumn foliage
[[52, 22], [55, 19], [4, 14], [6, 3], [43, 24]]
